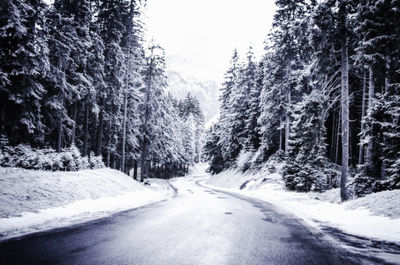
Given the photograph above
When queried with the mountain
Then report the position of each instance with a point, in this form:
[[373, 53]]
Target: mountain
[[185, 75]]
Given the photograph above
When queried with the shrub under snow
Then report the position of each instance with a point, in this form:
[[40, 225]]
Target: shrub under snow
[[69, 159]]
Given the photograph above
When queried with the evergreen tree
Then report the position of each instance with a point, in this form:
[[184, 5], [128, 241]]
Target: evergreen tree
[[24, 64], [253, 112], [213, 151], [376, 48], [307, 167], [154, 83], [226, 100], [286, 38], [270, 122]]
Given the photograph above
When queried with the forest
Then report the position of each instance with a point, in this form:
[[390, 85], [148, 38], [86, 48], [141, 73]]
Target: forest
[[80, 86], [324, 98]]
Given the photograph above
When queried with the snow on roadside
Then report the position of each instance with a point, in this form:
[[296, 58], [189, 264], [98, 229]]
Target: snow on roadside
[[374, 216], [39, 200], [198, 170]]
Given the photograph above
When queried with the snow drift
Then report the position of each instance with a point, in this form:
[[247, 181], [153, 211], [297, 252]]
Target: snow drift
[[374, 216], [37, 200]]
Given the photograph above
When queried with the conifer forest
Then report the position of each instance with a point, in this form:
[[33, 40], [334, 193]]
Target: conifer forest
[[325, 98], [77, 74]]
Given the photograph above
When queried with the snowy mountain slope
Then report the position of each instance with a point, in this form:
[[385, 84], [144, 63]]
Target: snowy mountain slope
[[186, 75]]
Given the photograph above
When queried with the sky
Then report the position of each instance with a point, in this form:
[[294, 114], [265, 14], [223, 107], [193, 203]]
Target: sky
[[205, 32]]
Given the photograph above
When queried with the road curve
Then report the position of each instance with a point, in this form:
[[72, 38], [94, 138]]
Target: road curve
[[198, 226]]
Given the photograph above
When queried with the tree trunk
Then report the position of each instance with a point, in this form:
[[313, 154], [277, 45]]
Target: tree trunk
[[144, 151], [371, 94], [114, 163], [345, 119], [108, 163], [115, 152], [338, 131], [59, 135], [387, 72], [332, 149], [124, 133], [361, 146], [86, 130], [387, 84], [143, 161], [287, 120], [74, 117], [135, 169], [99, 136], [2, 116], [281, 133]]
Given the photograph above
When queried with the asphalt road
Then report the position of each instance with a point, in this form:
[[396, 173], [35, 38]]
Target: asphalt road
[[197, 226]]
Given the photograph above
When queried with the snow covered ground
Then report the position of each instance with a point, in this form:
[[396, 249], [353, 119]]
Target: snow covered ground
[[32, 201], [376, 216]]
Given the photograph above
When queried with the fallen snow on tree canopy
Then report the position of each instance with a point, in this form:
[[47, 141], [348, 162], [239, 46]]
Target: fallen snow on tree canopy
[[37, 200], [374, 216]]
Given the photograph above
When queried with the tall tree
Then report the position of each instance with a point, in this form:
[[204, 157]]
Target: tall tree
[[227, 88], [25, 63], [154, 83], [344, 100]]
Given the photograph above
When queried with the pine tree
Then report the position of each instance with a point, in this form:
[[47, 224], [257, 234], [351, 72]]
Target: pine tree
[[189, 131], [376, 48], [231, 76], [307, 167], [286, 36], [25, 62], [154, 82], [270, 121], [59, 81], [187, 107], [77, 15], [132, 81], [111, 18], [254, 112], [391, 129], [213, 151]]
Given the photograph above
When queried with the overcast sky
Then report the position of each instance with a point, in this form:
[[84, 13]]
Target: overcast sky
[[209, 30]]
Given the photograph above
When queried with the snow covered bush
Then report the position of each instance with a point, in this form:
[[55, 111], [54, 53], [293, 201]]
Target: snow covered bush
[[4, 159], [68, 162], [258, 158], [243, 162], [57, 161], [96, 161], [363, 184], [307, 177], [298, 177], [85, 163], [18, 156], [27, 157], [46, 160]]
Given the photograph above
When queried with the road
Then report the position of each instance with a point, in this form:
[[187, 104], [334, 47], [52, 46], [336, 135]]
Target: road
[[198, 226]]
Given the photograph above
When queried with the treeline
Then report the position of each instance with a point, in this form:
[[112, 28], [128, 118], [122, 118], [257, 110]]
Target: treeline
[[325, 97], [76, 73]]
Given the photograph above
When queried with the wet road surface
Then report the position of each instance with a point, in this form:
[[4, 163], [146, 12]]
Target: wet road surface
[[198, 226]]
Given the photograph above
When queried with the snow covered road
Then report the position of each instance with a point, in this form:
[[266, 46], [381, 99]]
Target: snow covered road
[[198, 226]]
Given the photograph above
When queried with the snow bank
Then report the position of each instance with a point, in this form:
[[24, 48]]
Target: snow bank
[[36, 200], [198, 169], [374, 216]]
